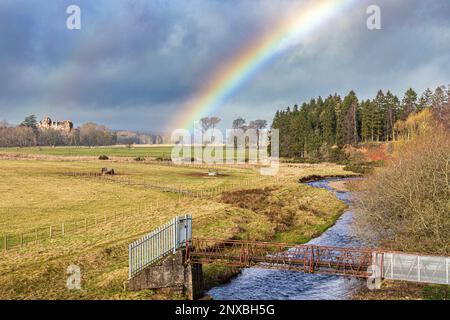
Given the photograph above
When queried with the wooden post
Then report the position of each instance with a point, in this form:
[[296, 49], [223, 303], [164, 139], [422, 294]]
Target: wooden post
[[36, 234], [21, 239], [50, 231], [62, 229], [5, 241], [85, 224]]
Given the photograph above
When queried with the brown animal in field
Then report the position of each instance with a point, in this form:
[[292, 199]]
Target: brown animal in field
[[107, 171]]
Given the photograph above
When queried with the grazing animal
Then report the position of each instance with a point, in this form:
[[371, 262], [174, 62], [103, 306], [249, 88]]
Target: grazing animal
[[107, 171]]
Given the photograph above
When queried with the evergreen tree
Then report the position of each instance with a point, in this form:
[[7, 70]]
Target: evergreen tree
[[391, 115], [308, 131], [409, 104], [350, 111], [30, 122]]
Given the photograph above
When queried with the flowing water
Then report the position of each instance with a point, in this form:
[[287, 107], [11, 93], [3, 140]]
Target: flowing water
[[263, 284]]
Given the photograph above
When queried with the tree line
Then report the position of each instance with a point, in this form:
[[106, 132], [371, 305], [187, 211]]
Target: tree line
[[27, 134], [317, 127]]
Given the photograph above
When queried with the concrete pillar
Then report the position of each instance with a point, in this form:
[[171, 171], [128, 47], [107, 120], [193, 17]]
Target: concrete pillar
[[171, 275]]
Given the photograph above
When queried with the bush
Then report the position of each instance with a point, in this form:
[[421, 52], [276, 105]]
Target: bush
[[103, 157], [163, 158], [361, 167], [139, 159], [337, 155], [406, 204]]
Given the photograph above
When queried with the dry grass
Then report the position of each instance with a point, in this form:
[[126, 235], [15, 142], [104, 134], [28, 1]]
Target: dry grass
[[402, 290], [37, 193]]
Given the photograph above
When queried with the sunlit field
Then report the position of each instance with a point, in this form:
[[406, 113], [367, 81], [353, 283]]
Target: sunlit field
[[130, 204], [115, 151], [143, 152]]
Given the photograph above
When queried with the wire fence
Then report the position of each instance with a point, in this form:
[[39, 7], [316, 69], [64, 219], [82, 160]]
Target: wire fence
[[16, 240], [183, 191], [9, 241]]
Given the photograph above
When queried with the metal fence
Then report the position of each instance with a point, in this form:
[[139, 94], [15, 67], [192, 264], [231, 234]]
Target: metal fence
[[159, 243], [412, 267]]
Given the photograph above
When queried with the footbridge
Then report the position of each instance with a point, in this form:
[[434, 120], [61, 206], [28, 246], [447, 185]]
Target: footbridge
[[171, 252]]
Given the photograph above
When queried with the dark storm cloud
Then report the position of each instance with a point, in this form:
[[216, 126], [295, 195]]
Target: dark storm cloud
[[134, 63]]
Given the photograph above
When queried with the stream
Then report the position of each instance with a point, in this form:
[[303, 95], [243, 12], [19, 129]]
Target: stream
[[264, 284]]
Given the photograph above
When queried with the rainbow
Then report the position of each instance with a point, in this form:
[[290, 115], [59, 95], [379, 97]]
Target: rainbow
[[232, 75]]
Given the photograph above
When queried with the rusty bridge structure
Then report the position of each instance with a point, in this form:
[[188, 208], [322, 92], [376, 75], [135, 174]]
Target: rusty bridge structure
[[303, 258], [175, 237]]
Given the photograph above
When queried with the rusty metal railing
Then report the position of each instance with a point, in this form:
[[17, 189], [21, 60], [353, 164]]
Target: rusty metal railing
[[357, 262], [305, 258]]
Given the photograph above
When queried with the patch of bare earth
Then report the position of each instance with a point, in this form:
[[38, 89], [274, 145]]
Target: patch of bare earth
[[340, 186]]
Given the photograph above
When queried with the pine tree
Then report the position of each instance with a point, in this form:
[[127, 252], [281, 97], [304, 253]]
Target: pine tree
[[409, 104], [379, 114], [30, 122], [350, 109], [392, 106]]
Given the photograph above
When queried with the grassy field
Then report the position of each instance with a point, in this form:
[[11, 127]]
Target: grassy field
[[115, 151], [41, 193]]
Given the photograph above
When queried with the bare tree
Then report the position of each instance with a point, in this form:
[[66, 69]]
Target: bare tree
[[239, 123], [405, 205], [257, 125], [214, 121]]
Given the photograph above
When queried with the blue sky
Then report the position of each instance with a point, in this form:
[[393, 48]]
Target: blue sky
[[135, 63]]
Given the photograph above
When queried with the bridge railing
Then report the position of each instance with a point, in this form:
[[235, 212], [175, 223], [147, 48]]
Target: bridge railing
[[413, 267], [159, 243]]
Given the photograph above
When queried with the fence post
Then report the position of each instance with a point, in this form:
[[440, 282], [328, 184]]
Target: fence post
[[446, 268], [130, 260], [50, 231], [62, 229], [36, 234], [85, 224], [418, 268], [175, 234], [21, 239], [5, 240]]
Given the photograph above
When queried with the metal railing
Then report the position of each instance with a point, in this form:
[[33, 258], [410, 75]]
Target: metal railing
[[413, 267], [158, 244]]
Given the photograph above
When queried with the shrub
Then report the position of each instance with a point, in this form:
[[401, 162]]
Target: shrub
[[406, 204], [139, 159], [103, 157], [360, 167], [163, 158]]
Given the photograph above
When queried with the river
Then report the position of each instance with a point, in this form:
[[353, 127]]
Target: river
[[263, 284]]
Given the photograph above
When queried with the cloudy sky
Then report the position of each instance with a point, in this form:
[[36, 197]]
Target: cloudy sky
[[135, 63]]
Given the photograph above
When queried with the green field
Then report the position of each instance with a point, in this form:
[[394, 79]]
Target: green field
[[42, 193], [118, 151], [146, 152]]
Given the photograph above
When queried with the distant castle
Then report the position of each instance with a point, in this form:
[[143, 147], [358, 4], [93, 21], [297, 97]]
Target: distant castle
[[63, 126]]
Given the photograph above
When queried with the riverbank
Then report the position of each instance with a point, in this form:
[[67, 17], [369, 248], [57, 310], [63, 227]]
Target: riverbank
[[391, 290], [298, 232], [263, 284]]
